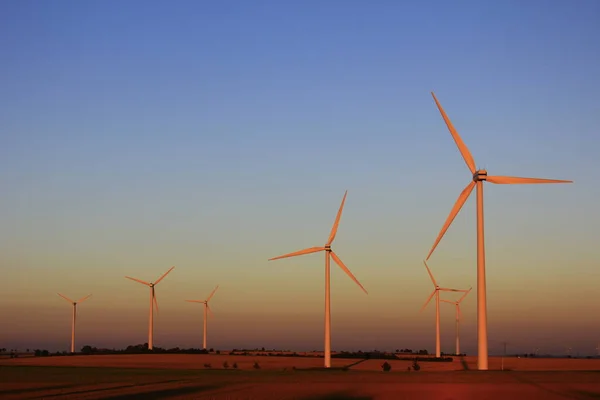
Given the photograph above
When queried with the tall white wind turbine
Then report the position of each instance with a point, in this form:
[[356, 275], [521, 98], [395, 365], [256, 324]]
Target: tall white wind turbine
[[207, 310], [329, 254], [436, 292], [74, 303], [153, 303], [478, 177], [458, 318]]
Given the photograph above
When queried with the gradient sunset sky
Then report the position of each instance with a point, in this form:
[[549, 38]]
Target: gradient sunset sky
[[137, 135]]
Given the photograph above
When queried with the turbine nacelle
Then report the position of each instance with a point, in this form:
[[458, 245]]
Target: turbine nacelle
[[480, 175]]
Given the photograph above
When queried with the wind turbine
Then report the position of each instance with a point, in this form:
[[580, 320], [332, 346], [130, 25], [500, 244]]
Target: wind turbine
[[479, 176], [153, 303], [458, 318], [74, 317], [436, 293], [206, 311], [328, 254]]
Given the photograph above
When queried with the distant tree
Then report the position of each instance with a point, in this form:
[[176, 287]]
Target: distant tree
[[45, 353], [218, 352], [256, 366], [386, 366], [225, 364], [234, 365], [211, 350], [263, 349], [87, 349]]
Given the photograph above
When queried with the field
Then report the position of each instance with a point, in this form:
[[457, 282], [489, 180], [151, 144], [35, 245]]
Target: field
[[122, 377]]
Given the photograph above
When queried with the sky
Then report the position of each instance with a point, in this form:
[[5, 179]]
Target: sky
[[210, 136]]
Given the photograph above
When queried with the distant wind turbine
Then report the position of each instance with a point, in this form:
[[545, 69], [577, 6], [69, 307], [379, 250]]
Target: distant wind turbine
[[153, 303], [74, 303], [458, 318], [436, 293], [478, 177], [328, 255], [207, 310]]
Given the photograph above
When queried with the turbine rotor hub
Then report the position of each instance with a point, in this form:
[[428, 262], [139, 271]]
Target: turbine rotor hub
[[327, 247], [480, 175]]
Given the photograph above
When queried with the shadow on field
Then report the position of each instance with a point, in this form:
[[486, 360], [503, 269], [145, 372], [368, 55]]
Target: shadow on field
[[584, 394], [33, 389], [464, 364], [337, 396], [159, 394], [355, 363]]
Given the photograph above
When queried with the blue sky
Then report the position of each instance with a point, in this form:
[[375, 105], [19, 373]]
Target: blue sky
[[136, 135]]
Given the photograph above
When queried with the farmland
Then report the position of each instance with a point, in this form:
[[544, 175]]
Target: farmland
[[185, 376]]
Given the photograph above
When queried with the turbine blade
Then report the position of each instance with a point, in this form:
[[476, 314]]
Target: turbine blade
[[210, 313], [462, 198], [299, 253], [337, 221], [81, 300], [457, 139], [464, 295], [430, 274], [451, 290], [514, 180], [66, 298], [138, 280], [428, 300], [346, 270], [212, 294], [154, 299], [447, 301], [195, 301], [163, 275]]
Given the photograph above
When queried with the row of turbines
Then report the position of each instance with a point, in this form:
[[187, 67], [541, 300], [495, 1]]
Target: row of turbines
[[478, 176], [153, 305]]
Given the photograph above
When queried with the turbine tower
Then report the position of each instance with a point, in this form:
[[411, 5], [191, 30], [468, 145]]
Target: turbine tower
[[458, 318], [436, 293], [329, 254], [207, 310], [478, 177], [74, 303], [153, 303]]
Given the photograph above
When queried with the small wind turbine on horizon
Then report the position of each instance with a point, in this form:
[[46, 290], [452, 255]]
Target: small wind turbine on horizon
[[458, 318], [153, 303], [329, 254], [74, 303], [478, 177], [207, 310], [436, 293]]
